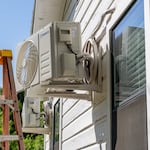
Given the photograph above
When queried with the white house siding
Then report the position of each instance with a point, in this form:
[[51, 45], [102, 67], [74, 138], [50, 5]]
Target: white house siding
[[86, 125]]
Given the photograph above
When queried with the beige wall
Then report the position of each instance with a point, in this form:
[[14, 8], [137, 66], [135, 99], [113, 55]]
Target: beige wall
[[46, 11]]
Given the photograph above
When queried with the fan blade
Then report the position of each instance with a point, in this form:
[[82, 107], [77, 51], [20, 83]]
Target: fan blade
[[27, 63]]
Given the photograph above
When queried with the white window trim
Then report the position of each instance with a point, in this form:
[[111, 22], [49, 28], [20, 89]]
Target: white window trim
[[147, 61]]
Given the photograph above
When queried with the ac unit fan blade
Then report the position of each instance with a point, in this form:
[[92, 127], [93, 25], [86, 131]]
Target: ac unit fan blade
[[27, 63]]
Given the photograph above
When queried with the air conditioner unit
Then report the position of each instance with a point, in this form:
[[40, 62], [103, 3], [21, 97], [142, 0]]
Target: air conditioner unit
[[36, 119], [31, 112], [48, 58]]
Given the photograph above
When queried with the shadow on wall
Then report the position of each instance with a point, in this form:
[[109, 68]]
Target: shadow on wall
[[129, 130], [129, 125], [100, 126]]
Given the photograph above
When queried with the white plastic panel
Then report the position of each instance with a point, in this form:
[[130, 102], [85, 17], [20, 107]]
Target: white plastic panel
[[45, 54], [70, 31], [68, 64], [31, 112]]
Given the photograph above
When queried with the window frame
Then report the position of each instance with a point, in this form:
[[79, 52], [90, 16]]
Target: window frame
[[58, 102], [130, 98], [147, 56]]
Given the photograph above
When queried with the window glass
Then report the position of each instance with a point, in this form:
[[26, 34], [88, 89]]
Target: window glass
[[56, 125], [129, 54]]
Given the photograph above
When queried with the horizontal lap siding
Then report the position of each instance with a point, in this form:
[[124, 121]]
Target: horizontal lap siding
[[87, 119], [96, 17], [68, 105], [78, 109], [83, 8], [88, 14], [71, 7], [96, 147], [94, 134], [84, 125]]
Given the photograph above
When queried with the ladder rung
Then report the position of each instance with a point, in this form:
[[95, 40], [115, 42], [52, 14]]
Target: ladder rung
[[8, 138], [2, 97], [6, 101]]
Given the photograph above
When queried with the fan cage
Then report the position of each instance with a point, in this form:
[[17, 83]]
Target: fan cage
[[27, 62]]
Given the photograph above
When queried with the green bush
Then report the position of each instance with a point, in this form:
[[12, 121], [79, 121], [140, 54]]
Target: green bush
[[33, 142]]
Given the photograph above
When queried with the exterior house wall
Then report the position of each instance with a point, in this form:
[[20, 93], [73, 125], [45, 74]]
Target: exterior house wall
[[87, 124]]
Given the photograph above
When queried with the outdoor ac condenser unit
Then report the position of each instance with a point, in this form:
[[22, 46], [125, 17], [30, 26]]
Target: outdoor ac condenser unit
[[49, 58], [31, 113], [36, 118]]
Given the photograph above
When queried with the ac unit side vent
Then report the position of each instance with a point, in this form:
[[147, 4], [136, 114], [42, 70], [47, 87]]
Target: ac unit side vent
[[45, 66]]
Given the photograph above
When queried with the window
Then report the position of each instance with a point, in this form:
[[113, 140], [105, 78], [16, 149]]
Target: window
[[129, 55], [56, 125]]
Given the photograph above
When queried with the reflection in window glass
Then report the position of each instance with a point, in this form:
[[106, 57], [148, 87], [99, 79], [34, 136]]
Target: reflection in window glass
[[129, 54], [56, 125]]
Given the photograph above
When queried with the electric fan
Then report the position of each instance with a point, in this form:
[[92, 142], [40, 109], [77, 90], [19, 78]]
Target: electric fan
[[27, 62]]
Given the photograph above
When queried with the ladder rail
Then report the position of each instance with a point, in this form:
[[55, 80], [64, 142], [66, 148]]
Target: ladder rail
[[10, 101], [6, 111], [16, 113]]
